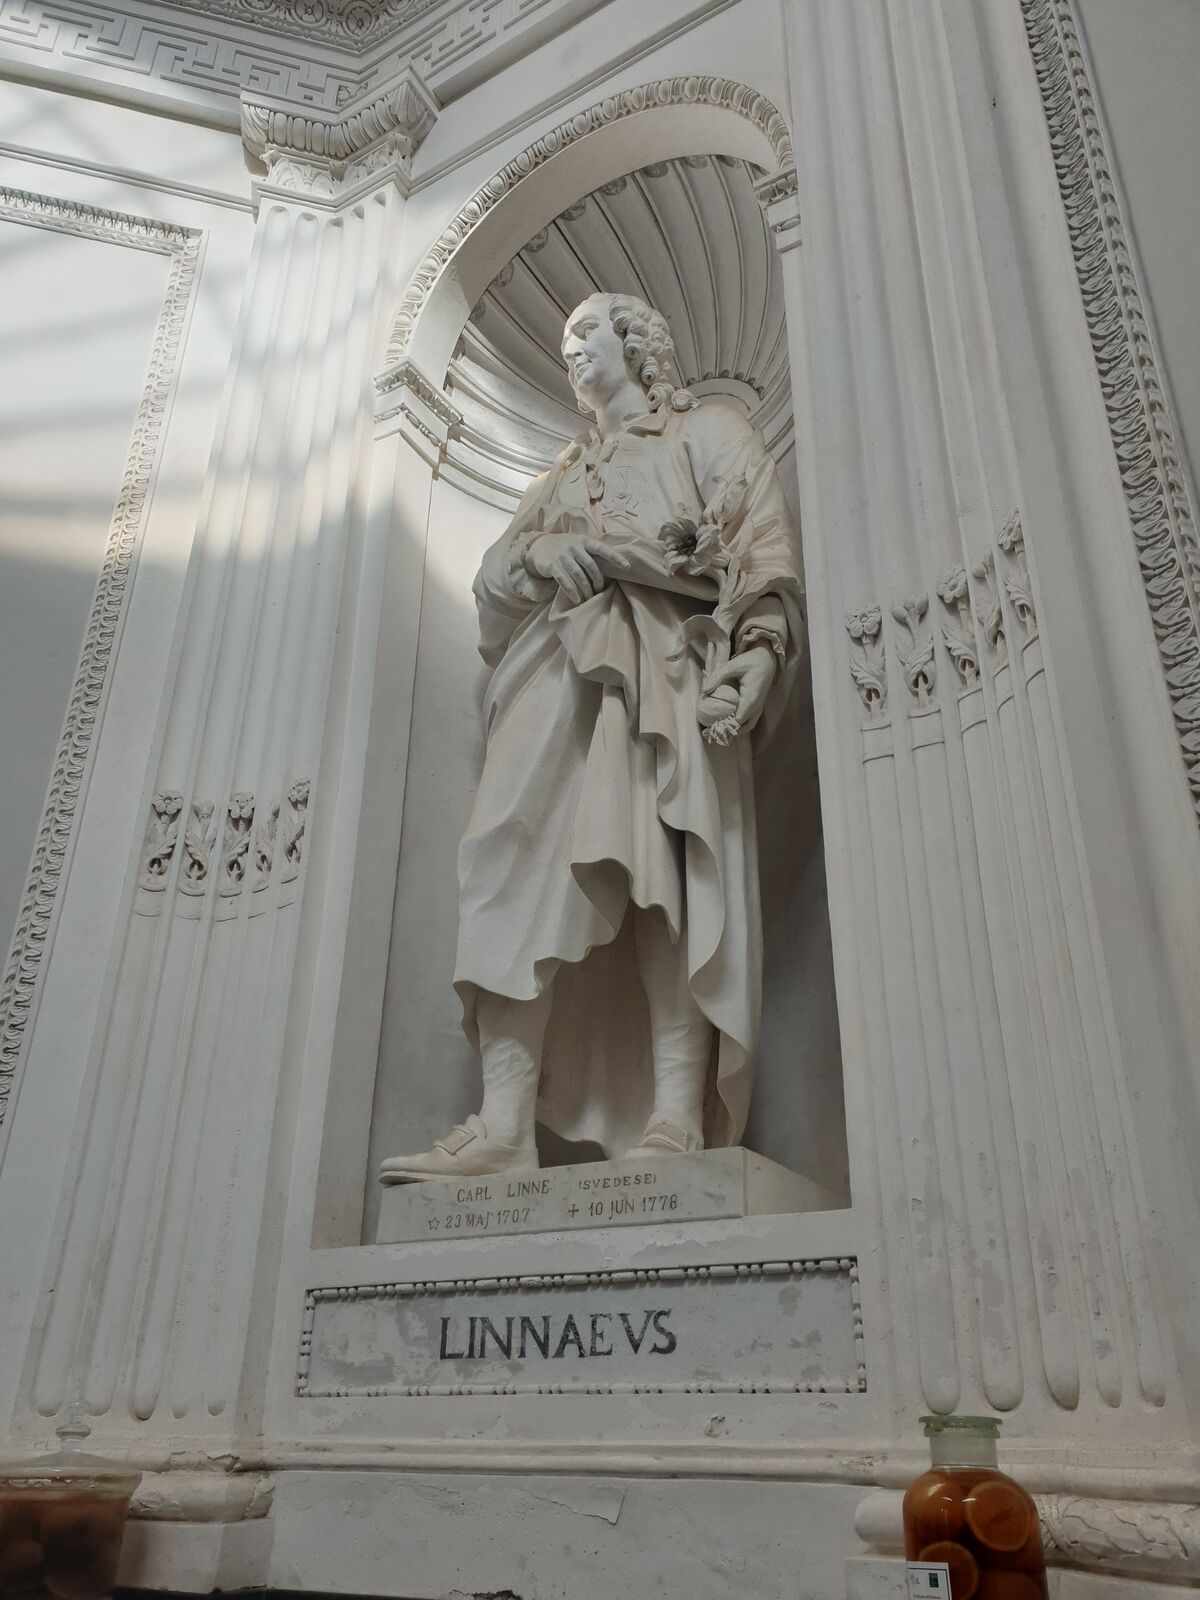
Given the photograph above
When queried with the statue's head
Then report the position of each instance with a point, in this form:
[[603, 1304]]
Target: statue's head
[[613, 339]]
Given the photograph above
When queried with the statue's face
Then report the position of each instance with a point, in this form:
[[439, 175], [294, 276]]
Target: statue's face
[[594, 353]]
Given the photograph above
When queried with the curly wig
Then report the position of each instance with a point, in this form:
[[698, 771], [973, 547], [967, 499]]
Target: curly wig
[[649, 350]]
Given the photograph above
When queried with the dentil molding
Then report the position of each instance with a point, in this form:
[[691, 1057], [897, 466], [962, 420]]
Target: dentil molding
[[18, 987], [426, 417]]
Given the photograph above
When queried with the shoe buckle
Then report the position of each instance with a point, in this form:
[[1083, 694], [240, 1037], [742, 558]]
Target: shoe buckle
[[455, 1140]]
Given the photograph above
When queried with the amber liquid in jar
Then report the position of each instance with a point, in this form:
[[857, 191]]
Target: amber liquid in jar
[[62, 1545], [965, 1514]]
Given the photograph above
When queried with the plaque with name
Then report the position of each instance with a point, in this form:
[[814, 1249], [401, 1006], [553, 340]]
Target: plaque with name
[[599, 1194], [774, 1326]]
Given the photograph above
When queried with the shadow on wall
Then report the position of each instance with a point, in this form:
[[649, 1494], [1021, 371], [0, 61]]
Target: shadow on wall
[[78, 358], [798, 1115], [76, 326]]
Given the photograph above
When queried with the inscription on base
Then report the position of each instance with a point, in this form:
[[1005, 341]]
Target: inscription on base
[[706, 1186], [776, 1325]]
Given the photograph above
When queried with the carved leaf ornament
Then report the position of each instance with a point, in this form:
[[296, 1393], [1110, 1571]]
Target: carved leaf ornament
[[1139, 419], [916, 661], [867, 665]]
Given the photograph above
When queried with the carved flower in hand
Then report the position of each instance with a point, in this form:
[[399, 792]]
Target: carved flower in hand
[[722, 732], [694, 547], [953, 586], [679, 537]]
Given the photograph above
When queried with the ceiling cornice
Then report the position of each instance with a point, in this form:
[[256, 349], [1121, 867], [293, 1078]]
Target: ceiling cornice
[[351, 24]]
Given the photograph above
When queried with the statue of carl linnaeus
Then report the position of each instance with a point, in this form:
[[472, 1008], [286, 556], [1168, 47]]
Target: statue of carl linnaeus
[[643, 618]]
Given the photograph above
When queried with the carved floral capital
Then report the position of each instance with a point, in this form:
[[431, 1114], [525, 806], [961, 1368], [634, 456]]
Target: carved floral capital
[[327, 155]]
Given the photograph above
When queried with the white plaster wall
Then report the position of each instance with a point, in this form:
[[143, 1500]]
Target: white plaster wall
[[561, 1538], [333, 1529], [1146, 60], [77, 318], [80, 316], [428, 1074]]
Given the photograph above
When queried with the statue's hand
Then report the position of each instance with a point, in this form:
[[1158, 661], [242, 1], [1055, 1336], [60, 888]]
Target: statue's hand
[[574, 560], [751, 672]]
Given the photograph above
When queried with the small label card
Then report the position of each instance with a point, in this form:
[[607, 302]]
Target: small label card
[[773, 1325], [929, 1578]]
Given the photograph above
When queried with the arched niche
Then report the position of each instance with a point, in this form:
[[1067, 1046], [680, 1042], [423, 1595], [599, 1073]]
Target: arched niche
[[673, 117], [671, 120]]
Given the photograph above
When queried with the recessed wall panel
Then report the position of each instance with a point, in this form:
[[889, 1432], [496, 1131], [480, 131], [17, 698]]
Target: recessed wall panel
[[77, 319]]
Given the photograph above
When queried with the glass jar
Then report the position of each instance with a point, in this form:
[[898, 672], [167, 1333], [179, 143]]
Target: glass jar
[[970, 1532], [62, 1517]]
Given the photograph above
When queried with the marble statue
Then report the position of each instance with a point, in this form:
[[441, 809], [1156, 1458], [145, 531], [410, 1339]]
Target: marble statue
[[642, 616]]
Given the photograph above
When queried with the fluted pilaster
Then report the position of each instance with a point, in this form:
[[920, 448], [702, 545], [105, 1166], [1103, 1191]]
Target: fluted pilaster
[[154, 1274], [1015, 1266]]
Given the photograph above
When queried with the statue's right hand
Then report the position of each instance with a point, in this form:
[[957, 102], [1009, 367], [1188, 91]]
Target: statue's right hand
[[574, 560]]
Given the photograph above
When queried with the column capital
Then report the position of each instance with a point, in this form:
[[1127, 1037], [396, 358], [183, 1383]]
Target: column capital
[[330, 157], [779, 196], [408, 401]]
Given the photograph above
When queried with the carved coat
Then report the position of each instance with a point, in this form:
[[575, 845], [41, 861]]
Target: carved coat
[[598, 787]]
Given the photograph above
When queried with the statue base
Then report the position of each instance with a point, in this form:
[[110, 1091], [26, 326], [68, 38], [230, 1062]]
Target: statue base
[[704, 1187]]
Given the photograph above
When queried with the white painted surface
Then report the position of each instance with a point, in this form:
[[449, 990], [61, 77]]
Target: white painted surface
[[201, 249], [1010, 847], [421, 1016], [559, 1538], [83, 310], [1146, 60]]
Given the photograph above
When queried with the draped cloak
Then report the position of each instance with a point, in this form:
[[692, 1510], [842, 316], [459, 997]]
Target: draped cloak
[[598, 789]]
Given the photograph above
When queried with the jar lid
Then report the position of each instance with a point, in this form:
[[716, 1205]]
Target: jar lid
[[988, 1426], [70, 1467]]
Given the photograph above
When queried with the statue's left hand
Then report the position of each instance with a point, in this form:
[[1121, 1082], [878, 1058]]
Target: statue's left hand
[[751, 672]]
